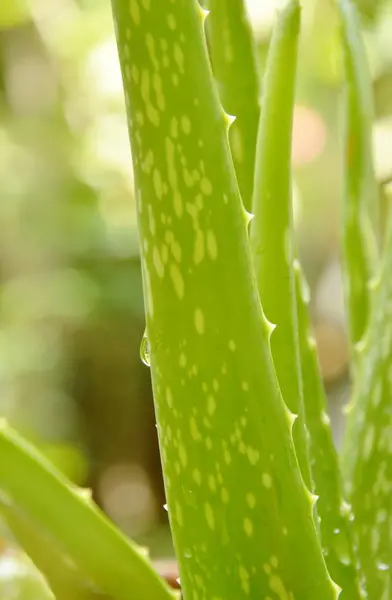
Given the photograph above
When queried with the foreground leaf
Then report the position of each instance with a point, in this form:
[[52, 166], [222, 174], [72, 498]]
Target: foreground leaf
[[238, 507], [271, 233], [44, 497], [234, 60]]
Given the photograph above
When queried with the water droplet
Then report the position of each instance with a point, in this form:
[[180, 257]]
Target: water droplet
[[336, 531], [145, 351], [166, 508], [188, 554], [382, 566]]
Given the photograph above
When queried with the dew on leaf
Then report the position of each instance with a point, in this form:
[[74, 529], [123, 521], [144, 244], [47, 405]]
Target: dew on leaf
[[145, 351]]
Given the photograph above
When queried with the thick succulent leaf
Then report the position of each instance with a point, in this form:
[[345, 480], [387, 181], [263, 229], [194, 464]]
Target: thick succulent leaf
[[271, 230], [67, 517], [19, 579], [238, 508], [360, 196], [234, 61], [367, 452], [334, 513], [64, 579]]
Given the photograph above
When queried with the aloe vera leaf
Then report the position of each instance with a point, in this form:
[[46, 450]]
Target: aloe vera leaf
[[45, 498], [234, 61], [65, 581], [271, 230], [359, 222], [367, 450], [237, 503], [334, 513], [19, 579]]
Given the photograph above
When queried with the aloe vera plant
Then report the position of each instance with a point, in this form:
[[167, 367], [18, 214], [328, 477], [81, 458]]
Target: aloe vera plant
[[259, 504]]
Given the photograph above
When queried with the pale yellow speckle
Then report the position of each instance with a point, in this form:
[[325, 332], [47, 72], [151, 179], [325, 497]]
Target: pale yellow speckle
[[152, 114], [146, 4], [150, 43], [148, 162], [158, 264], [212, 483], [182, 360], [285, 531], [253, 455], [251, 500], [196, 475], [215, 385], [248, 527], [245, 386], [224, 495], [206, 186], [199, 321], [244, 577], [274, 561], [211, 405], [186, 125], [176, 251], [135, 12], [232, 345], [177, 202], [212, 246], [267, 480], [157, 182], [277, 586], [179, 58], [198, 253], [226, 456], [178, 281], [183, 456], [209, 443], [210, 517], [169, 398], [171, 21], [195, 433]]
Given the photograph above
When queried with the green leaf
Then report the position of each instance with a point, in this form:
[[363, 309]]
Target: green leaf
[[238, 508], [19, 579], [234, 62], [360, 197], [271, 231], [367, 451], [61, 574], [334, 513], [45, 498]]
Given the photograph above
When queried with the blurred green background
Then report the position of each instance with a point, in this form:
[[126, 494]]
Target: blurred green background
[[71, 305]]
